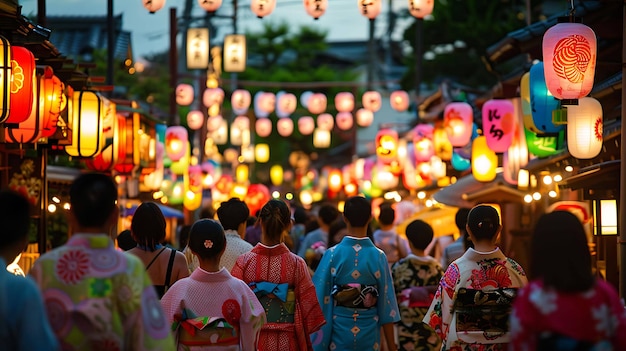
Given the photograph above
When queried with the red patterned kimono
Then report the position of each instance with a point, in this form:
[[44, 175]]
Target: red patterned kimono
[[290, 320]]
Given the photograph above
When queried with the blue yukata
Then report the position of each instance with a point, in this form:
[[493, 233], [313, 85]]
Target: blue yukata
[[355, 288]]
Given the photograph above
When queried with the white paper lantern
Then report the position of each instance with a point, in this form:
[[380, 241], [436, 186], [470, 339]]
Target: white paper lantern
[[240, 131], [584, 128], [321, 138], [421, 8], [344, 102]]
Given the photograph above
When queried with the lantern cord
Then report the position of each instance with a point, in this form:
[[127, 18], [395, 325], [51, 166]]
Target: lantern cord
[[572, 9]]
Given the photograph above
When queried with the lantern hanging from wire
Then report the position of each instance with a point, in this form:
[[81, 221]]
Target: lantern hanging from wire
[[317, 103], [306, 125], [212, 96], [344, 120], [240, 101], [325, 121], [235, 53], [240, 131], [399, 100], [198, 48], [344, 102], [370, 8], [371, 100], [542, 102], [87, 139], [284, 126], [184, 94], [315, 8], [286, 104], [386, 143], [210, 5], [262, 8], [423, 142], [153, 5], [498, 124], [195, 119], [364, 117], [484, 160], [22, 82], [569, 54], [421, 8], [457, 121], [584, 128], [176, 140], [263, 127]]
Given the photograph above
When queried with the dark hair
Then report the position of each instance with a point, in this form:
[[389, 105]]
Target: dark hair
[[275, 217], [14, 216], [232, 213], [461, 218], [183, 236], [125, 240], [484, 222], [93, 198], [148, 225], [328, 213], [206, 238], [559, 253], [300, 215], [357, 211], [387, 214], [420, 234], [338, 225]]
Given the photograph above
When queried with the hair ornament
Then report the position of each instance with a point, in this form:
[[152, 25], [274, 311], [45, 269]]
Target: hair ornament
[[208, 244]]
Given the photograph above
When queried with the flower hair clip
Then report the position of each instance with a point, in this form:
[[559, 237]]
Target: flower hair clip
[[208, 244]]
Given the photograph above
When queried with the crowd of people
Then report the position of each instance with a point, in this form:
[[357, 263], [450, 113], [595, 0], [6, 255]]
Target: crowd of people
[[285, 278]]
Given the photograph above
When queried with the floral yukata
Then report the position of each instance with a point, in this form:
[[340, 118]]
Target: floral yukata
[[230, 322], [98, 298], [483, 271], [282, 283], [415, 279], [592, 320], [354, 272]]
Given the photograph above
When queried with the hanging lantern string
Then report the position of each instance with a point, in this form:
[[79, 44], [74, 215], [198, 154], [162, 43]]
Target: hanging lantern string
[[572, 11]]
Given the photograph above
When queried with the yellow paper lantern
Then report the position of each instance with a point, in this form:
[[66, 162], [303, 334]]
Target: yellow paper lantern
[[484, 160], [235, 53], [242, 173], [262, 153], [88, 111], [276, 175], [321, 138], [198, 47]]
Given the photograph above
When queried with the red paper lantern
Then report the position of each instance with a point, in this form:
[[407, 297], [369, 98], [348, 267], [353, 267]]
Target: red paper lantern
[[315, 8], [399, 100], [22, 83], [372, 101], [54, 102], [569, 54], [258, 195], [240, 101], [344, 120], [457, 120], [498, 124], [5, 78], [370, 9], [28, 131], [344, 102]]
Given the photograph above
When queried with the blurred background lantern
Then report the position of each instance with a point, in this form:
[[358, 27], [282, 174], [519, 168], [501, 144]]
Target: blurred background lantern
[[214, 123], [286, 104], [344, 102], [263, 127], [5, 78], [423, 142], [264, 103], [386, 143], [262, 153], [498, 124], [240, 130], [315, 8], [421, 8], [443, 147], [364, 117], [569, 54], [276, 175], [370, 9], [321, 138], [240, 101], [584, 128], [184, 94], [219, 132], [335, 180], [484, 160], [284, 126], [176, 140], [399, 100], [198, 47], [542, 103], [262, 8], [257, 196], [325, 121], [457, 121], [87, 138], [22, 84], [306, 125], [235, 52], [210, 5], [371, 100], [212, 96], [459, 162], [344, 120], [153, 5], [242, 173], [317, 103], [195, 119]]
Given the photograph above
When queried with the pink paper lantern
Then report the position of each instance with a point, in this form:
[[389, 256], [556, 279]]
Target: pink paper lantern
[[344, 102], [386, 145], [214, 123], [421, 8], [176, 141], [284, 126], [210, 5], [499, 124], [184, 94], [344, 120], [315, 8], [370, 8], [195, 119], [212, 96], [306, 125], [153, 5], [325, 121], [263, 127], [317, 103], [584, 128], [286, 104], [372, 101], [262, 8], [240, 101], [364, 117], [457, 120], [399, 100], [423, 142], [569, 54]]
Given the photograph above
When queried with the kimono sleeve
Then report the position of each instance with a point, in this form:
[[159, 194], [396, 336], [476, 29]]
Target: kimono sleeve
[[387, 304], [308, 303], [252, 319], [439, 313], [323, 280]]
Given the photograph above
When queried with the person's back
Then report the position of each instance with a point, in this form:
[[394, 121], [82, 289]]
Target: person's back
[[327, 214], [233, 215], [22, 313], [461, 244], [96, 295], [387, 239], [565, 307]]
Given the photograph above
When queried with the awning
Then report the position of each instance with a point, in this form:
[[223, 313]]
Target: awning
[[168, 212], [468, 192]]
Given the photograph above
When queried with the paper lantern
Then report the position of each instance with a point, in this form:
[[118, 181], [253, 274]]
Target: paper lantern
[[87, 138], [584, 128], [437, 168], [153, 5], [195, 119], [28, 131], [240, 101], [262, 8], [399, 100], [257, 196], [214, 123], [184, 94], [276, 175], [421, 8], [325, 121], [262, 153], [5, 78], [198, 47], [423, 142], [240, 131], [315, 8], [235, 53], [484, 160], [54, 102], [516, 156], [212, 96], [176, 140], [524, 87], [459, 162], [364, 117], [371, 101], [154, 179], [370, 9], [498, 124], [569, 54], [263, 127], [457, 120], [284, 126], [181, 166], [344, 102], [383, 179], [443, 147], [286, 104], [219, 132], [335, 180], [306, 125], [321, 138], [344, 120], [210, 5], [386, 143], [22, 83], [128, 158], [242, 173], [542, 103], [264, 103], [317, 103], [544, 145]]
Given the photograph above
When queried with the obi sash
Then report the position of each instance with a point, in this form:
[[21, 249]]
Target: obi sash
[[204, 331], [278, 300], [355, 295]]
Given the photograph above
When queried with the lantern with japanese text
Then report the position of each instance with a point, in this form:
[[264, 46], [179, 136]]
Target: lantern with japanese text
[[198, 48], [284, 126], [286, 104], [457, 121], [5, 78], [195, 119], [584, 128], [569, 54], [321, 138], [370, 8], [344, 102], [484, 160], [153, 5], [212, 96], [498, 124], [371, 100], [240, 101], [263, 127], [235, 53], [262, 8], [344, 120], [423, 142], [176, 140], [87, 138], [421, 8], [542, 103], [399, 100], [210, 5], [544, 145], [306, 125], [364, 117], [317, 103], [386, 143], [184, 94], [22, 82], [315, 8], [325, 121]]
